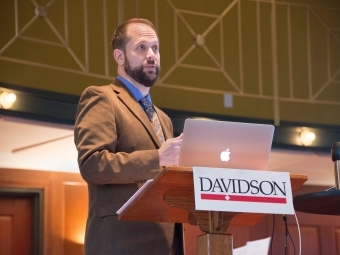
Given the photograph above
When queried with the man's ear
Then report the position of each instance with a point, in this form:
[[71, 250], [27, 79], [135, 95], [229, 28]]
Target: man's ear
[[119, 56]]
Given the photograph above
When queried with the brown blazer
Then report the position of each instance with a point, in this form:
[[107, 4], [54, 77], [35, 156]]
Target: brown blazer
[[117, 148]]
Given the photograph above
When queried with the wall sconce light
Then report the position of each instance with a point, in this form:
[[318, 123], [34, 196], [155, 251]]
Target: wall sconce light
[[7, 99], [306, 137]]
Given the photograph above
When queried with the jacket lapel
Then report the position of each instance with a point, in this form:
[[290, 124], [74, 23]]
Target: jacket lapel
[[134, 106]]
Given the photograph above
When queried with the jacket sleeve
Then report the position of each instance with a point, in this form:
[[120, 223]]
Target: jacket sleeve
[[102, 158]]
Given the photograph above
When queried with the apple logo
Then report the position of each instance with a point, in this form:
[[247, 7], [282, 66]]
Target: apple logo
[[225, 155]]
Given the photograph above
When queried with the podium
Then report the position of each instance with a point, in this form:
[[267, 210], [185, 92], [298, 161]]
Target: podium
[[170, 198]]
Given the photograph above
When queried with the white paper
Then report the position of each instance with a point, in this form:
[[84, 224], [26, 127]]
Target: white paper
[[240, 251], [148, 182], [258, 247]]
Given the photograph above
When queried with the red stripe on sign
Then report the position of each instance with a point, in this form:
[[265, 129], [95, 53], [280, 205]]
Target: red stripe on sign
[[236, 198], [213, 197]]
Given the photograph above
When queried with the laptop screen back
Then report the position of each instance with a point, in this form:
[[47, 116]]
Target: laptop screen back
[[223, 144]]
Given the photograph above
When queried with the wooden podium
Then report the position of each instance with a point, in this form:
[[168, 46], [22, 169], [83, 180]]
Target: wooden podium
[[170, 198]]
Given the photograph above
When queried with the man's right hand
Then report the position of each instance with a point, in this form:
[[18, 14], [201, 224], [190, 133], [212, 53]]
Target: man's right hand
[[169, 151]]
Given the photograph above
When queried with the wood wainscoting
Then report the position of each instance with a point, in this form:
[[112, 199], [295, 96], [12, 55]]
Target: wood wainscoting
[[64, 207]]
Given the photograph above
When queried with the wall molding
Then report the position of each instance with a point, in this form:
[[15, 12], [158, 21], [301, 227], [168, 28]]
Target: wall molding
[[61, 109]]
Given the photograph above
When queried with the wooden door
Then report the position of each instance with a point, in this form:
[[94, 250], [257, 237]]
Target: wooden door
[[16, 225]]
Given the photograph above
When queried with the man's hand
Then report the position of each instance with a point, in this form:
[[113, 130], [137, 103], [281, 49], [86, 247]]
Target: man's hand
[[169, 151]]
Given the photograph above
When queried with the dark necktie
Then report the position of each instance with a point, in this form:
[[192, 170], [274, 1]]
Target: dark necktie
[[152, 115]]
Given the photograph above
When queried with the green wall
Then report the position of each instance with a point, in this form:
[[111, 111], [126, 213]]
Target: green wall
[[280, 60]]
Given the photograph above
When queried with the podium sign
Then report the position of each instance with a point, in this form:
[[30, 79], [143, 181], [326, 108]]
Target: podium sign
[[236, 190]]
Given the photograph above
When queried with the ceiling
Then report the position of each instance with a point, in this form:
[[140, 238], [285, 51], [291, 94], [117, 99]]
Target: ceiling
[[29, 144]]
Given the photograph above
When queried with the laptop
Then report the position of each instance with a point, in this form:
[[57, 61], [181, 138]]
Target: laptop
[[224, 144]]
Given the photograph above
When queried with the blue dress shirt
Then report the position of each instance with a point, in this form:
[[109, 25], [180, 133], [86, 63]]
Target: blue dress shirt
[[134, 91]]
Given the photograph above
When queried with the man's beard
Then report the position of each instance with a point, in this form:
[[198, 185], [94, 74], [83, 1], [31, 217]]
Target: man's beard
[[139, 75]]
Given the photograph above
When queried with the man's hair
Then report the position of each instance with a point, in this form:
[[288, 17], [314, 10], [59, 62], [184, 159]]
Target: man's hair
[[120, 38]]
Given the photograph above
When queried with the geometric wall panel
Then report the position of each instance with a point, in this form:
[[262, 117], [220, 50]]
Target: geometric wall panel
[[266, 54]]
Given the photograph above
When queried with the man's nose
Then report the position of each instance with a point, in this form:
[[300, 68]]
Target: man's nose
[[150, 54]]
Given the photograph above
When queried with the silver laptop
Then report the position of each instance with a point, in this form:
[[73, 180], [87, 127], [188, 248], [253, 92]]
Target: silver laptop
[[223, 144]]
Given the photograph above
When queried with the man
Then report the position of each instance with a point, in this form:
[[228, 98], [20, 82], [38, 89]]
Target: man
[[118, 148]]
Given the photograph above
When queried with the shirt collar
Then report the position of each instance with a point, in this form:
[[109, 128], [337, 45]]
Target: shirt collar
[[133, 90]]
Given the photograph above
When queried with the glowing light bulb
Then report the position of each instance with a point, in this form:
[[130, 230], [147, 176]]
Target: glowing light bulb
[[7, 99], [306, 137]]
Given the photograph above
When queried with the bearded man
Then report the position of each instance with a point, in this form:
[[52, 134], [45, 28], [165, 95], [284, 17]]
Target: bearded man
[[123, 140]]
